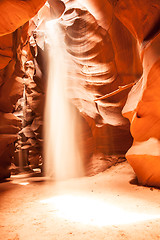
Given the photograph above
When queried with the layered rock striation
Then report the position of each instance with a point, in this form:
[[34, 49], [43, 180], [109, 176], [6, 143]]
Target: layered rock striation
[[110, 46], [13, 38]]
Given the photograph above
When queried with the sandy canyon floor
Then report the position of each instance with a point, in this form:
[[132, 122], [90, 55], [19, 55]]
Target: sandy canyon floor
[[102, 207]]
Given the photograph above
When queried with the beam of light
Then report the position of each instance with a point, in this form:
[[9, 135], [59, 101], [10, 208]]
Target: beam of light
[[94, 211], [62, 156], [61, 153]]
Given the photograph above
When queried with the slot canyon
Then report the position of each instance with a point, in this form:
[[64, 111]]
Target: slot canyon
[[79, 119]]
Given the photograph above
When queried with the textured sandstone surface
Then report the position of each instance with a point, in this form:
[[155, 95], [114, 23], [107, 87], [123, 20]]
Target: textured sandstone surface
[[96, 55], [140, 17], [10, 91], [130, 52], [144, 155], [15, 13], [110, 44], [12, 74]]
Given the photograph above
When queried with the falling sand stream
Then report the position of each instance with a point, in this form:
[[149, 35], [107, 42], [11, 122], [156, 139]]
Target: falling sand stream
[[62, 157]]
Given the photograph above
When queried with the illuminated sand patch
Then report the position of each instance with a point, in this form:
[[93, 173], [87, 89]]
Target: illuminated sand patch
[[94, 211]]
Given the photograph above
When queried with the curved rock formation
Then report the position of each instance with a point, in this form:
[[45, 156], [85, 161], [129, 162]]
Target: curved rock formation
[[142, 19], [144, 155], [11, 90], [111, 45], [15, 13], [102, 65]]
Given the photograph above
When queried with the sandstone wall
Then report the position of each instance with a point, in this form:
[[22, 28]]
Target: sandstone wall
[[13, 39], [100, 61], [110, 46], [11, 89], [142, 107]]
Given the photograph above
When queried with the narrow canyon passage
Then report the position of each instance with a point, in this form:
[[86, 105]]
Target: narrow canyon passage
[[105, 206], [79, 120]]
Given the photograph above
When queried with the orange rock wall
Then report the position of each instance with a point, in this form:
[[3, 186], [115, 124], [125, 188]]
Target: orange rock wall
[[104, 60], [144, 155], [11, 89], [13, 15], [110, 43], [142, 18]]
